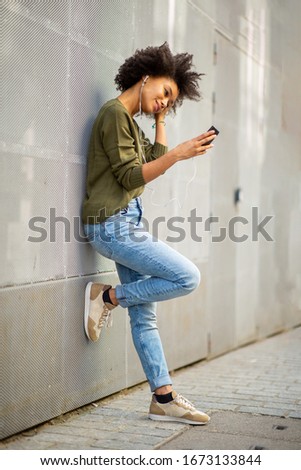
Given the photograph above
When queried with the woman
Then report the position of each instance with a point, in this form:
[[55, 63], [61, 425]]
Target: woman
[[121, 161]]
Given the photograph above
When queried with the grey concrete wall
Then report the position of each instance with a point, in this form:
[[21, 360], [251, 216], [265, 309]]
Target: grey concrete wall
[[60, 59]]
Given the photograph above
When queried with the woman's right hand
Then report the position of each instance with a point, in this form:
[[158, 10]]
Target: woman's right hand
[[194, 147], [189, 149]]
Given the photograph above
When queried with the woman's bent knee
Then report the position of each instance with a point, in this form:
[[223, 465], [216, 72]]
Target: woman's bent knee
[[192, 279]]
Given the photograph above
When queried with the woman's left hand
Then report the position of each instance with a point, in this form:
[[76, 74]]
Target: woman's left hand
[[162, 115]]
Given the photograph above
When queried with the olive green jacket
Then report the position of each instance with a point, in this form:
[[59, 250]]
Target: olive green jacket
[[114, 168]]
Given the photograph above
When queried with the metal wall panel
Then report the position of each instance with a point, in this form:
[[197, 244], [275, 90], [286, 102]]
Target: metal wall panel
[[27, 182], [224, 178], [280, 173], [59, 62], [250, 154], [34, 65], [259, 290], [32, 372]]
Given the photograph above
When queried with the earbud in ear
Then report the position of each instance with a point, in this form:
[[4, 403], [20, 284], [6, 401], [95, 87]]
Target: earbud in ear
[[145, 79]]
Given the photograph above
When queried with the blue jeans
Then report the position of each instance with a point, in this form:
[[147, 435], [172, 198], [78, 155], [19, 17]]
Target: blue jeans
[[149, 271]]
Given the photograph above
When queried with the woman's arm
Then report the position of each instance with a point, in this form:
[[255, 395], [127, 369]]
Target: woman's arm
[[160, 136], [151, 151], [184, 151]]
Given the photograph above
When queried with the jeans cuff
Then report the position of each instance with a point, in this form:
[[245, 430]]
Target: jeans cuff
[[120, 296], [160, 382]]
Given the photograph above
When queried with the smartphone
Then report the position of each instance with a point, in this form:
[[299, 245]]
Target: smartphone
[[212, 128]]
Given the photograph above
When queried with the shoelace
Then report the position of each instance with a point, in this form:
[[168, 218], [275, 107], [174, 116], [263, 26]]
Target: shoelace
[[184, 402], [106, 318]]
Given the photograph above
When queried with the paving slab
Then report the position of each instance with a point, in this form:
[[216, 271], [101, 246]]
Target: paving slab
[[239, 431]]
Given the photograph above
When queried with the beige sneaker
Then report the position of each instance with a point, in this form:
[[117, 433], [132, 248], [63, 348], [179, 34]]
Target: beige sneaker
[[179, 409], [97, 313]]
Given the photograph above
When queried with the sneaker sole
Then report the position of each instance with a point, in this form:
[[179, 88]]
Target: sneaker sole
[[87, 304], [175, 419]]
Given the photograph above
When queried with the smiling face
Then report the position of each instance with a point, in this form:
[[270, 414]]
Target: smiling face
[[158, 93]]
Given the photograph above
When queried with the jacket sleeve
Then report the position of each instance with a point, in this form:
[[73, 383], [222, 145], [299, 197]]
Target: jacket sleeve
[[152, 151], [118, 144]]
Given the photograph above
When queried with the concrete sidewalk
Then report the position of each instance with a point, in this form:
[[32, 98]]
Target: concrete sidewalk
[[253, 395]]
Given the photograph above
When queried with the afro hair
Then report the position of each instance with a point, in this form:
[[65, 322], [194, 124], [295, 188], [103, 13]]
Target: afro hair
[[160, 62]]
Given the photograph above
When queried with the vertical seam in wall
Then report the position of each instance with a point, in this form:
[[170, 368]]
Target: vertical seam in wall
[[67, 143]]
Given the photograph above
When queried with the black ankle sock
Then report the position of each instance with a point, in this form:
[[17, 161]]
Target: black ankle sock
[[164, 398], [106, 297]]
